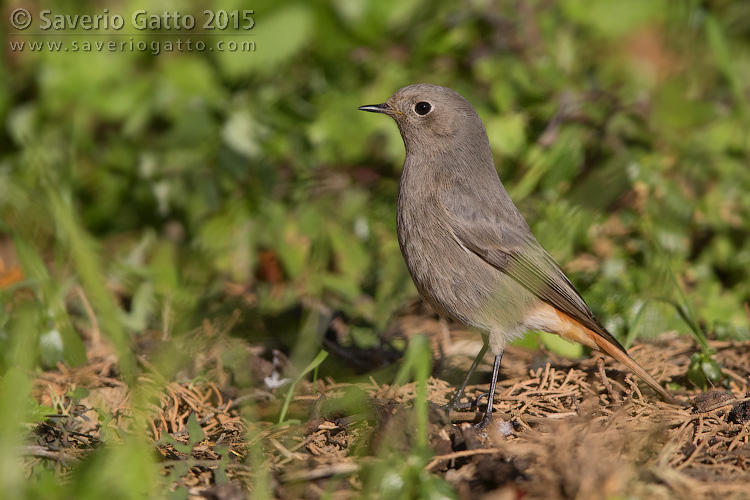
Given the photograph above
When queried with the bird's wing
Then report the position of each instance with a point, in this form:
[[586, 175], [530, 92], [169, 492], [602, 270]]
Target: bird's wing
[[515, 252]]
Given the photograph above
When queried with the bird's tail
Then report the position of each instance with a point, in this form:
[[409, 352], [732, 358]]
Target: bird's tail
[[572, 329], [622, 356]]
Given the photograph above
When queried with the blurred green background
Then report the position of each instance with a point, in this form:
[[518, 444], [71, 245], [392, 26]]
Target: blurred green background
[[161, 190]]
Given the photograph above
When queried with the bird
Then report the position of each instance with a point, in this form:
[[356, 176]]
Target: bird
[[470, 252]]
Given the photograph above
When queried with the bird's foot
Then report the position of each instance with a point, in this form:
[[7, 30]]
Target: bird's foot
[[486, 419], [456, 404], [467, 405], [475, 404]]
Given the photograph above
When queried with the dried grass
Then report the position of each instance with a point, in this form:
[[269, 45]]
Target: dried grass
[[580, 429]]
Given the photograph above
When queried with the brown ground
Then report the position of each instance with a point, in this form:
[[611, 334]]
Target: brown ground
[[563, 429]]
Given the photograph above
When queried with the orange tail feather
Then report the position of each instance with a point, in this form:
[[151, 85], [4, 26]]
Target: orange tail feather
[[625, 359], [569, 328]]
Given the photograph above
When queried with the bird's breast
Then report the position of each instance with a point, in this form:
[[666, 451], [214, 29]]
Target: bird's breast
[[455, 281]]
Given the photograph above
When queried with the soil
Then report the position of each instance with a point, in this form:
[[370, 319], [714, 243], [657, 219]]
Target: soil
[[584, 429]]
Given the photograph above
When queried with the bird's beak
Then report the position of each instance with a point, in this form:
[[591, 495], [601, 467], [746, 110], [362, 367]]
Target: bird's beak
[[377, 108]]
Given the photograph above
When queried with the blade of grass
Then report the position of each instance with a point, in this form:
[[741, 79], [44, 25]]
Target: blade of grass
[[684, 315], [682, 304], [418, 363], [322, 355]]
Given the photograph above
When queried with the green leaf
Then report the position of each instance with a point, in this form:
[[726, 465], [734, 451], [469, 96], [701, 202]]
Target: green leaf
[[197, 435], [186, 449], [78, 394], [278, 36], [704, 371], [507, 133]]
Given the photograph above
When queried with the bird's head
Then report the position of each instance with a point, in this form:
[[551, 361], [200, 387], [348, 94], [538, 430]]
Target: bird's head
[[433, 119]]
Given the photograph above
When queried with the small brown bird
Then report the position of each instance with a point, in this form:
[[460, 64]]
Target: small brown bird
[[470, 252]]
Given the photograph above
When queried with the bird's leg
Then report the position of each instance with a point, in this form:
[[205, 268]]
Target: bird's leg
[[453, 403], [488, 413]]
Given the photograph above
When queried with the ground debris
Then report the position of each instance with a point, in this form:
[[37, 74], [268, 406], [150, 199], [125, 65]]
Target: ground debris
[[563, 428]]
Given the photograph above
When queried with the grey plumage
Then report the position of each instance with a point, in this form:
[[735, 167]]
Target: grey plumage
[[470, 252]]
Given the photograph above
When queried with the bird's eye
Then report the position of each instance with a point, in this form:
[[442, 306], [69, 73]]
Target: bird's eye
[[422, 108]]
